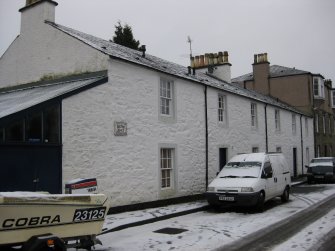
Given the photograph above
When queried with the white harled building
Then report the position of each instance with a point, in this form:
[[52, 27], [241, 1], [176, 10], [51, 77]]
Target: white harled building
[[76, 106]]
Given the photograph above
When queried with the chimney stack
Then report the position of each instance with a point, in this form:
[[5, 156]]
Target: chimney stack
[[261, 73], [216, 64], [34, 14]]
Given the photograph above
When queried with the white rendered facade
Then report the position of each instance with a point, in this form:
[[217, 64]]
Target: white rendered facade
[[128, 168]]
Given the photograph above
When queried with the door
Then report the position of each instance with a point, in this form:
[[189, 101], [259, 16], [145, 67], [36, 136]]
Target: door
[[30, 168], [223, 158], [295, 167], [270, 180]]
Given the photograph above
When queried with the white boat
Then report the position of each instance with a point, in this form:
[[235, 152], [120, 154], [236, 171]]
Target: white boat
[[67, 216]]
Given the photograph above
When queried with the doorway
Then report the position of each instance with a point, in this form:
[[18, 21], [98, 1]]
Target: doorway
[[295, 166], [222, 157], [31, 168]]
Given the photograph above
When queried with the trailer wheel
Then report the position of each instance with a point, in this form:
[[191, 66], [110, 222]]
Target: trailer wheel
[[44, 243]]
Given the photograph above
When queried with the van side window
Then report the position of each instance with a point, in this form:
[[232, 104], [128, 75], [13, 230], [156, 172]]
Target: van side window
[[268, 170]]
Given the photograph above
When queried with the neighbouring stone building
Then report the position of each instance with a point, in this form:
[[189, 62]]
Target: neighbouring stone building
[[73, 105], [308, 92]]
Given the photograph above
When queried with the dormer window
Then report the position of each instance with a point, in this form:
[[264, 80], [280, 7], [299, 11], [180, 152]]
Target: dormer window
[[318, 87], [333, 98]]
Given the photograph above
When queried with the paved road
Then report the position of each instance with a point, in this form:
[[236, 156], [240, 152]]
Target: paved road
[[279, 232]]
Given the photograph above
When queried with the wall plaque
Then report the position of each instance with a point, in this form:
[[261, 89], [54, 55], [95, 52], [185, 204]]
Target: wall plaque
[[120, 128]]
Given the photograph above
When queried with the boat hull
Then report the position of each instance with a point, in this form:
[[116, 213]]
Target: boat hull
[[65, 216]]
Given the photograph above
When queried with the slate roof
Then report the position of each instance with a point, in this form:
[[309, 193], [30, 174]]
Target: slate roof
[[134, 56], [17, 100], [275, 72]]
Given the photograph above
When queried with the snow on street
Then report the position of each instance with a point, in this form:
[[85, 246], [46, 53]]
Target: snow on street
[[207, 230]]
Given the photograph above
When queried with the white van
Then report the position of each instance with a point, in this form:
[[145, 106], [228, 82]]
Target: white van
[[250, 180]]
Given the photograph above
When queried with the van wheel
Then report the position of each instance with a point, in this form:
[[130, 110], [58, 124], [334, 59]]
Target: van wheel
[[286, 195], [260, 202]]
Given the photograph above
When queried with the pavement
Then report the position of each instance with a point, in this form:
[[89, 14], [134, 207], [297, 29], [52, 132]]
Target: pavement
[[123, 220]]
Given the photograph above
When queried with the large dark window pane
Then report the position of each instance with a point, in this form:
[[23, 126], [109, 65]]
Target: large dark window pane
[[52, 125], [14, 131], [34, 128], [2, 134]]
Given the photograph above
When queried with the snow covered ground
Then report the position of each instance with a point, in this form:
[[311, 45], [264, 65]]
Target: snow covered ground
[[207, 230]]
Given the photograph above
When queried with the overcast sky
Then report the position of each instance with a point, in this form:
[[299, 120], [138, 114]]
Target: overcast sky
[[294, 33]]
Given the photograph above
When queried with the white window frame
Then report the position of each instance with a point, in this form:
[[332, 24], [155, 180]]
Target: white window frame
[[253, 113], [166, 94], [277, 120], [255, 149], [307, 155], [294, 124], [316, 91], [333, 98], [316, 123], [167, 169], [318, 87]]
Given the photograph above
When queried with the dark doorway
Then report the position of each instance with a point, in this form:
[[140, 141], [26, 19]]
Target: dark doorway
[[295, 166], [31, 168], [223, 157]]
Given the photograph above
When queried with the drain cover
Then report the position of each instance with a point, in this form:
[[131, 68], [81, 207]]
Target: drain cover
[[170, 230]]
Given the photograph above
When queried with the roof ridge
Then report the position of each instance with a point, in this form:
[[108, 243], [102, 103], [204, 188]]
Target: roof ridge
[[161, 65]]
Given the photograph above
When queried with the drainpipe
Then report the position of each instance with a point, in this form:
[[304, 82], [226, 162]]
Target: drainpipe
[[266, 129], [302, 145], [206, 126]]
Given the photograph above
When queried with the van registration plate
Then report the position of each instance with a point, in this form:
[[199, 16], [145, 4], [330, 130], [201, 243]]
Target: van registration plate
[[226, 198]]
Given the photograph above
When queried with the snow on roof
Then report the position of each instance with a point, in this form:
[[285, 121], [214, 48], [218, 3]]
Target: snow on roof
[[20, 99], [275, 71], [134, 56]]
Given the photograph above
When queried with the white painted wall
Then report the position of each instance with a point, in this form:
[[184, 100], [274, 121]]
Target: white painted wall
[[128, 167], [43, 52], [238, 135]]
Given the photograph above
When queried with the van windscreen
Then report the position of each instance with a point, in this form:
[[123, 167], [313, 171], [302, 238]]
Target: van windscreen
[[244, 164]]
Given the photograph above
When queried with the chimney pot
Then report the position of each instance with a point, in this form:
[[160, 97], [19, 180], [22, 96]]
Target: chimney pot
[[225, 57], [255, 58], [211, 59], [143, 49], [196, 65], [192, 62], [215, 58], [220, 58], [202, 61], [206, 59], [265, 57]]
